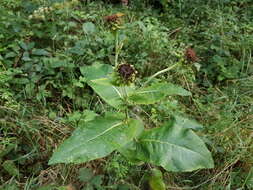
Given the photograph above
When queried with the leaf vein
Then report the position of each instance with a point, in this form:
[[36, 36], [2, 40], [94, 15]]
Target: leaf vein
[[162, 142]]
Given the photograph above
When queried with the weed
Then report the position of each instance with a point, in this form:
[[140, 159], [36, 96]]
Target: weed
[[45, 47]]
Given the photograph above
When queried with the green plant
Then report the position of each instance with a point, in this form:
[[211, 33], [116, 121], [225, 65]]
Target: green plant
[[46, 47], [92, 181], [173, 145]]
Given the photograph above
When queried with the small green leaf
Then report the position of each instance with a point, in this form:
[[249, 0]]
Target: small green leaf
[[156, 180], [57, 63], [97, 181], [85, 116], [96, 139], [26, 56], [85, 174], [89, 28], [6, 150], [156, 92], [27, 46], [11, 168], [249, 179], [20, 81], [40, 52], [88, 187], [10, 187], [23, 45], [10, 55], [30, 45]]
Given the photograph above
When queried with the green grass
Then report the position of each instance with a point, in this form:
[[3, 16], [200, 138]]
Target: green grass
[[43, 95]]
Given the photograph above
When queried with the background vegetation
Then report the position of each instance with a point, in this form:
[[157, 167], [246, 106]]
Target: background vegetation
[[44, 95]]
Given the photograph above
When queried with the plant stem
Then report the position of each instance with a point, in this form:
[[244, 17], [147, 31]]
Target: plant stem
[[125, 95], [116, 48], [160, 72]]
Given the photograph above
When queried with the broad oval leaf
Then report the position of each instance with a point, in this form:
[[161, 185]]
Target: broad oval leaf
[[96, 139], [156, 92], [110, 94], [187, 123], [96, 71], [97, 77], [175, 148]]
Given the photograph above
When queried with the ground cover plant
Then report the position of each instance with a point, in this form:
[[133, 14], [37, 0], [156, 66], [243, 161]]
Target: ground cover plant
[[162, 77]]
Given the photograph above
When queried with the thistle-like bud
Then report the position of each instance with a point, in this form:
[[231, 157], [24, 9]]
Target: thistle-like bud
[[114, 20], [124, 74], [190, 55]]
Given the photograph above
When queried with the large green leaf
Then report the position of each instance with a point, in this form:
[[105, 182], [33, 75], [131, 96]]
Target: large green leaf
[[156, 92], [110, 94], [97, 77], [96, 71], [96, 139], [187, 123], [175, 148]]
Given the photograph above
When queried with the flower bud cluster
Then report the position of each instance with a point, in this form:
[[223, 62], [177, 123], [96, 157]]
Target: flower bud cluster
[[41, 13], [65, 4], [124, 74], [114, 20]]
